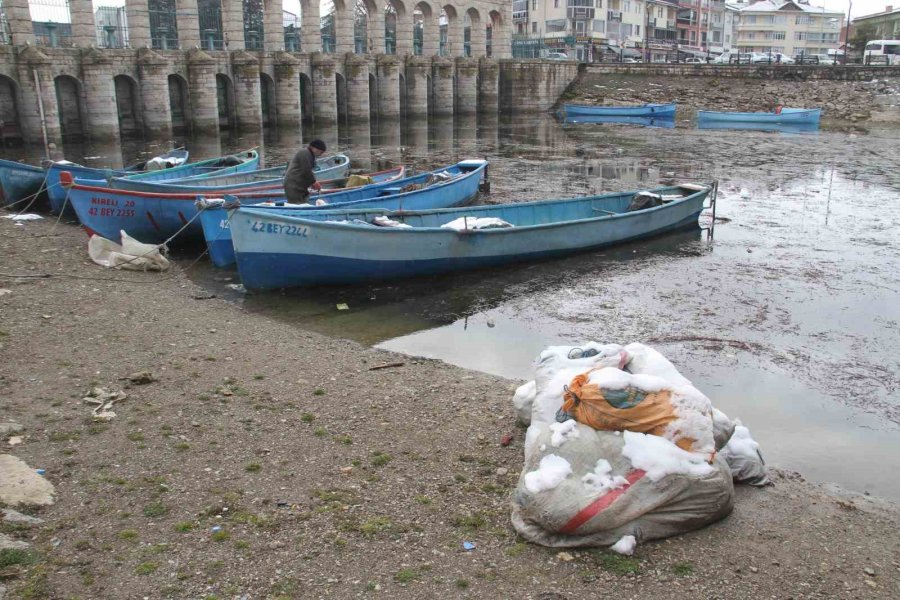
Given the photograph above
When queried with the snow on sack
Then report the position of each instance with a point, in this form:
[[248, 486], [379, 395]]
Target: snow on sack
[[744, 458], [552, 471]]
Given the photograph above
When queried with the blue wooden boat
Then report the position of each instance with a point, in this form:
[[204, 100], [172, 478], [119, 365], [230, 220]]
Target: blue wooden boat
[[19, 182], [787, 115], [327, 168], [279, 249], [665, 121], [467, 175], [644, 110], [57, 193]]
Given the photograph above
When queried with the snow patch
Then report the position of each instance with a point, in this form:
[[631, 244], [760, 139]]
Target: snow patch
[[552, 471], [625, 545], [599, 480], [563, 432], [659, 457]]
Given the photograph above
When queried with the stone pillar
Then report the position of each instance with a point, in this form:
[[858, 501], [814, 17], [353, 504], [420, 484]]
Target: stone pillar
[[100, 96], [324, 90], [404, 33], [84, 31], [138, 16], [466, 86], [287, 89], [32, 60], [204, 99], [274, 26], [360, 146], [375, 32], [233, 24], [188, 24], [310, 27], [343, 27], [431, 36], [489, 90], [442, 86], [247, 95], [356, 74], [418, 69], [388, 86], [466, 134], [455, 36], [477, 39], [442, 128], [153, 73], [18, 16]]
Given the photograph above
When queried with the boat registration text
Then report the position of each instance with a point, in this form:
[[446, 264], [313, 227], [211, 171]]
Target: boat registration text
[[279, 229]]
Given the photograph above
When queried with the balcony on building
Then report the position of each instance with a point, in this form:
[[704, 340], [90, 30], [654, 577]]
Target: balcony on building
[[580, 9], [112, 28], [520, 11], [163, 26]]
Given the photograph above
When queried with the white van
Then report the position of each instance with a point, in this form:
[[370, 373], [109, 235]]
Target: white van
[[890, 49]]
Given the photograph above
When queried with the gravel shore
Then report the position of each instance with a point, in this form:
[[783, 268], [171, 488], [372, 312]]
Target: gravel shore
[[258, 461]]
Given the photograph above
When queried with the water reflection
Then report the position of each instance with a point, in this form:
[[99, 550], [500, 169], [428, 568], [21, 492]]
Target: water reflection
[[665, 123], [779, 127]]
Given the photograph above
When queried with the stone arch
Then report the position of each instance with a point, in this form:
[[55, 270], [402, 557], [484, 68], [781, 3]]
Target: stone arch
[[498, 44], [9, 110], [451, 33], [424, 24], [341, 98], [71, 107], [373, 97], [179, 104], [225, 100], [473, 34], [268, 100], [306, 99], [127, 105]]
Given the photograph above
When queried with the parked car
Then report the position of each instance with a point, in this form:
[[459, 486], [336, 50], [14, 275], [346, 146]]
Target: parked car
[[628, 59], [693, 60], [557, 56], [772, 58], [727, 58]]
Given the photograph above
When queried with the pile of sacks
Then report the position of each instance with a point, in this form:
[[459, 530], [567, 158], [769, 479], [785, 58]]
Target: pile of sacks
[[621, 448]]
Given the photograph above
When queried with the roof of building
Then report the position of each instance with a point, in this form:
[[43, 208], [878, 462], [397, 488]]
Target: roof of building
[[778, 5], [883, 13]]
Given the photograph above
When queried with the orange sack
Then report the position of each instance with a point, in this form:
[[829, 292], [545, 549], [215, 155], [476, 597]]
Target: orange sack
[[628, 409]]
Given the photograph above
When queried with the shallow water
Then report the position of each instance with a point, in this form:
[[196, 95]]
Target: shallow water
[[787, 318]]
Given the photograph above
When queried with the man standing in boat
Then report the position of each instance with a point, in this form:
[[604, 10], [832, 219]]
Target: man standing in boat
[[299, 176]]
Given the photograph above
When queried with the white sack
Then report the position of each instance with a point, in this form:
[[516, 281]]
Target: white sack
[[130, 254]]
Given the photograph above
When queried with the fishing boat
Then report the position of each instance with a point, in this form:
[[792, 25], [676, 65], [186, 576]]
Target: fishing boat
[[787, 115], [279, 249], [19, 182], [57, 194], [665, 121], [458, 188], [643, 110], [151, 217], [327, 168]]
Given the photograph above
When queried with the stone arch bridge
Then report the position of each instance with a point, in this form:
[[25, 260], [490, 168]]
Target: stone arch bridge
[[205, 65]]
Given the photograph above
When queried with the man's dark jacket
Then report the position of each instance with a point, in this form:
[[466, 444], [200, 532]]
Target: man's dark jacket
[[299, 176]]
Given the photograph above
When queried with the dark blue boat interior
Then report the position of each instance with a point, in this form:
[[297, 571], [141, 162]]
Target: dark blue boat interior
[[519, 214]]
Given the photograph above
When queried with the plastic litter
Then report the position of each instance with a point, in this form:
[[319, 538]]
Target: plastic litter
[[342, 306], [216, 528], [40, 471], [468, 546]]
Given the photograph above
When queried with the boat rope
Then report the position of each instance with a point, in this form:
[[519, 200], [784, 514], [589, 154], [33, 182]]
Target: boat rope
[[31, 197], [161, 246]]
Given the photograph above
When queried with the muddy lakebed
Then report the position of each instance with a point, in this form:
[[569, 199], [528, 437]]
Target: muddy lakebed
[[787, 317]]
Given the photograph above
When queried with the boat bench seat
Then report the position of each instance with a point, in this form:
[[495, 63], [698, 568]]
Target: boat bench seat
[[389, 191]]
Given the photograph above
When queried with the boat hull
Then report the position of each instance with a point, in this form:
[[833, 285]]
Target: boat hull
[[277, 251], [665, 121], [215, 222], [19, 181], [645, 110], [787, 116], [57, 193]]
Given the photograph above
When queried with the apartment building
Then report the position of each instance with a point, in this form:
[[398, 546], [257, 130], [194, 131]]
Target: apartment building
[[789, 27], [886, 23], [589, 30]]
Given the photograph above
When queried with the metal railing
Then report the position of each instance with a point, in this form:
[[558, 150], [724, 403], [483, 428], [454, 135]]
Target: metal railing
[[292, 38], [112, 27], [163, 26], [253, 25], [210, 22]]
